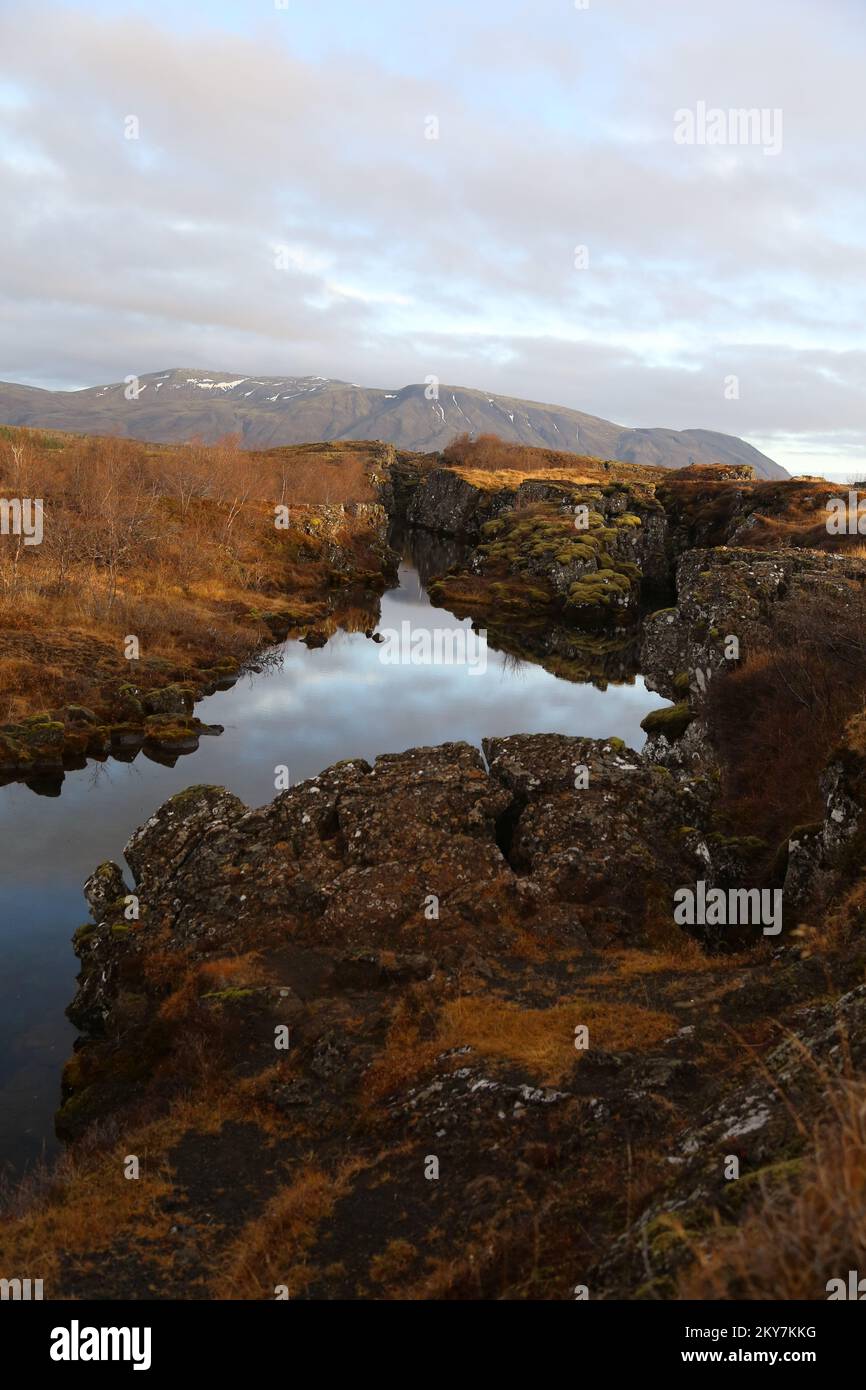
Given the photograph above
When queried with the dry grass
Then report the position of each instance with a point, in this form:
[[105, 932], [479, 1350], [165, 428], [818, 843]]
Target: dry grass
[[176, 545], [314, 473], [232, 972], [539, 1039], [86, 1204], [408, 1050], [542, 1040], [686, 959], [809, 1225], [493, 479], [271, 1250], [489, 461], [393, 1263], [804, 522], [787, 513]]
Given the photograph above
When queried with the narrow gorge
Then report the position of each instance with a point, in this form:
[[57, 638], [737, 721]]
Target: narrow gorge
[[424, 1023]]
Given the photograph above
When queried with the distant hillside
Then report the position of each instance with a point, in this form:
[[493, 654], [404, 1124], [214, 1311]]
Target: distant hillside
[[175, 406]]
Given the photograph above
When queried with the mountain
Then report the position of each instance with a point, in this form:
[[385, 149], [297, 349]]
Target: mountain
[[175, 406]]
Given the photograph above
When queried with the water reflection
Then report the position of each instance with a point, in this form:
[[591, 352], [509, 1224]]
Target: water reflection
[[307, 709], [431, 555]]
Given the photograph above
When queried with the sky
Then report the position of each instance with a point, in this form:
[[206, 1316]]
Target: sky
[[543, 198]]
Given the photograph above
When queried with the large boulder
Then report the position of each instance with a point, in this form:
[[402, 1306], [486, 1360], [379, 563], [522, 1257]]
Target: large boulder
[[597, 831], [724, 593]]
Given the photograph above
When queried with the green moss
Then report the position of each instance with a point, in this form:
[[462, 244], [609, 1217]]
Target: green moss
[[661, 1237], [664, 1287], [661, 774], [672, 721], [583, 551], [72, 1111], [670, 1235], [681, 683], [518, 549], [169, 729], [776, 1176], [194, 793], [605, 587], [800, 832], [748, 844], [80, 714], [225, 996]]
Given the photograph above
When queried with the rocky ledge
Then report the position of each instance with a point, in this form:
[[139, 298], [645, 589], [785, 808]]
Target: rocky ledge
[[342, 563], [574, 840], [746, 594], [411, 1022], [131, 717]]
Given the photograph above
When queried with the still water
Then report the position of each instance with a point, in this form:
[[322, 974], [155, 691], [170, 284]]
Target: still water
[[314, 708]]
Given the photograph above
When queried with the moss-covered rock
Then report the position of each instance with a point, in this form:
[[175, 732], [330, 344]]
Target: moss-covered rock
[[672, 721]]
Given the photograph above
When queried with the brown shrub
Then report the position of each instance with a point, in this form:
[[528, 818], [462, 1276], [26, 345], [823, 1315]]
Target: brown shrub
[[777, 718], [489, 453], [809, 1225], [172, 543]]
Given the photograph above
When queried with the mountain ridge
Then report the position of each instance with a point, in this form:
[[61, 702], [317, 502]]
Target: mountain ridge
[[268, 411]]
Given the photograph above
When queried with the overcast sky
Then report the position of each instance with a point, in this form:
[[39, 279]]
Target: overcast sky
[[283, 209]]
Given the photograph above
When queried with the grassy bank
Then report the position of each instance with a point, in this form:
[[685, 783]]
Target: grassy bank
[[159, 572]]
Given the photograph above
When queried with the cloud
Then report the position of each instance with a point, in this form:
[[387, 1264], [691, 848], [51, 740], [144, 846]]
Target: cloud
[[454, 255]]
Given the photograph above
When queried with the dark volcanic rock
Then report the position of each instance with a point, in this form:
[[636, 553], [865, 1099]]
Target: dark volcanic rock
[[425, 849], [611, 849], [814, 852], [443, 501], [103, 889], [428, 933], [757, 1123], [740, 593]]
